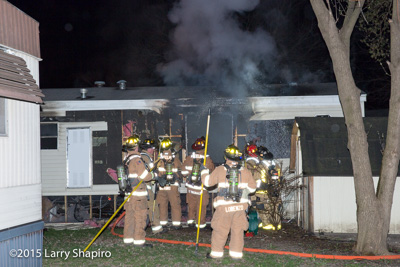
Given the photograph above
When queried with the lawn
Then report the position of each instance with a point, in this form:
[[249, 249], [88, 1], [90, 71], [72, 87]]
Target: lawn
[[65, 248]]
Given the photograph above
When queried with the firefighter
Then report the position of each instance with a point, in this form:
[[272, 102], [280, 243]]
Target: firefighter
[[234, 184], [136, 206], [252, 162], [169, 181], [191, 170], [268, 201], [148, 152]]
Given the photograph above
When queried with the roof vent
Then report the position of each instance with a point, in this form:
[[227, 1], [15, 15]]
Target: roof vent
[[99, 83], [122, 84], [83, 93]]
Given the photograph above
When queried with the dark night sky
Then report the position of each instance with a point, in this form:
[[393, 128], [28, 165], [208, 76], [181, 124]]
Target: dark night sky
[[91, 40]]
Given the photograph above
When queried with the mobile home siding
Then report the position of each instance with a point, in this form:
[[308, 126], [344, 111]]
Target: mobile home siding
[[28, 238], [20, 205], [54, 162], [32, 63], [17, 30], [20, 148], [335, 205]]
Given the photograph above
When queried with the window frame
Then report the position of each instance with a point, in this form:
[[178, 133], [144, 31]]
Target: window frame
[[49, 137]]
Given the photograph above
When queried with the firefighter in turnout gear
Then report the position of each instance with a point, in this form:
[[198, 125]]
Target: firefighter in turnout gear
[[266, 200], [148, 150], [191, 170], [234, 184], [169, 181], [252, 164], [136, 211]]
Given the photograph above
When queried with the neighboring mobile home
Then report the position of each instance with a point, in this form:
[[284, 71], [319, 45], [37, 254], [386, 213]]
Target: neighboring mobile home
[[21, 225], [319, 154]]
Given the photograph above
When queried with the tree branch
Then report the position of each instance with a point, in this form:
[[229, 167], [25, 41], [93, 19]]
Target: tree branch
[[354, 9]]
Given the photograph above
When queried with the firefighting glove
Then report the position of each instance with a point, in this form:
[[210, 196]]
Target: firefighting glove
[[162, 181], [245, 193]]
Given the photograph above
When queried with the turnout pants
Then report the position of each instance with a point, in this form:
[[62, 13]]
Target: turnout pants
[[173, 197], [154, 212], [224, 222], [193, 201], [135, 220]]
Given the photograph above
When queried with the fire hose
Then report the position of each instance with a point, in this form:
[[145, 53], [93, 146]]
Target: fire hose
[[112, 217], [267, 251]]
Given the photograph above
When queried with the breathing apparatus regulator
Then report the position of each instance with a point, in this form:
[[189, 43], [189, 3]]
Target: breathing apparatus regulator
[[169, 177]]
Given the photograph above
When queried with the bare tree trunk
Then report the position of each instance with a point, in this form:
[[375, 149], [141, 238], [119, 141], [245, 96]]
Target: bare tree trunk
[[390, 161], [372, 215]]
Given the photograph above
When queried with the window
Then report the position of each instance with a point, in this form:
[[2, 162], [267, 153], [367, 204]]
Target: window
[[3, 117], [48, 136]]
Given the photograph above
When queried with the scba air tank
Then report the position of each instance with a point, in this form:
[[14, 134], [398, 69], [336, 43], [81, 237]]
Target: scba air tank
[[122, 182], [233, 182]]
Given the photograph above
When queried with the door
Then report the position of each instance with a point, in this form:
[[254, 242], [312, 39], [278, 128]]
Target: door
[[79, 153]]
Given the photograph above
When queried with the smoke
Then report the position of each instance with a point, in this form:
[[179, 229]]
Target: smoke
[[211, 49]]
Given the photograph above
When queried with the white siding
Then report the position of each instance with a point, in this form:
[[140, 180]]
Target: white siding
[[335, 205], [54, 165], [20, 205], [289, 107], [32, 63], [20, 181], [20, 149]]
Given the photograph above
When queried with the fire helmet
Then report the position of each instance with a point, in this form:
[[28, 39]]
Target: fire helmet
[[199, 144], [251, 150], [166, 144], [148, 143], [264, 153], [232, 152], [132, 142]]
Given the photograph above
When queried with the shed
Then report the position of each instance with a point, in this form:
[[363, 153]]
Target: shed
[[319, 154], [21, 224]]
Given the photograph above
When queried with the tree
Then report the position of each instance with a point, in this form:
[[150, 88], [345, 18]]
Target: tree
[[373, 207]]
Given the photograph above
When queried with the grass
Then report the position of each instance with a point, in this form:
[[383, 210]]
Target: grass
[[109, 250]]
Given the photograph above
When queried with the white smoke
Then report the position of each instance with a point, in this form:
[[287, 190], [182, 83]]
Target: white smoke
[[210, 48]]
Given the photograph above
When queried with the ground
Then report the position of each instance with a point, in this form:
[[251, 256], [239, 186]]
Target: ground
[[290, 238]]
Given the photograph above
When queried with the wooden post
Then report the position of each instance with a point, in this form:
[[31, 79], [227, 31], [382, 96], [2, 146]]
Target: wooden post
[[115, 203], [236, 137], [90, 204], [65, 209]]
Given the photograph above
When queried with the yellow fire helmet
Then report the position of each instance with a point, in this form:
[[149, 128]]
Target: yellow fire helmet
[[165, 144], [148, 143], [232, 152], [132, 142]]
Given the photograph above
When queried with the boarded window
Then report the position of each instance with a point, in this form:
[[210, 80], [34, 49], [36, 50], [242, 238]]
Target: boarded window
[[48, 136]]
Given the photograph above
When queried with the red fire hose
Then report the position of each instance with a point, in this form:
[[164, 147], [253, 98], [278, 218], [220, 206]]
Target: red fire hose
[[267, 251]]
